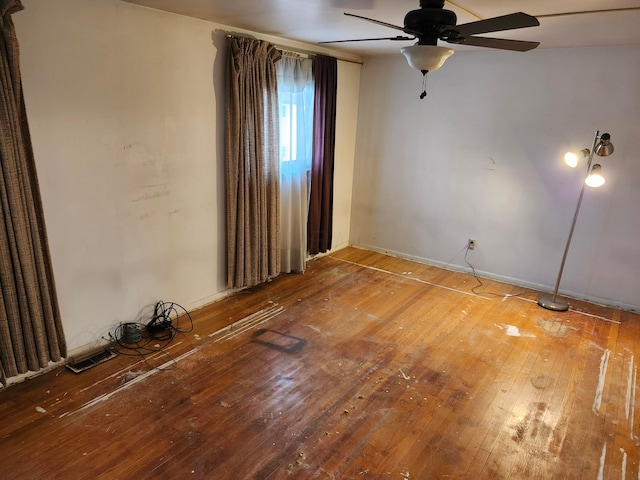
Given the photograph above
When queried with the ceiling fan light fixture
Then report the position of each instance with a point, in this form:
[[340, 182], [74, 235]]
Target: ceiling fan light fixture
[[426, 58]]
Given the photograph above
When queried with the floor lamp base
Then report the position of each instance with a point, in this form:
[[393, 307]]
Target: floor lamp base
[[550, 304]]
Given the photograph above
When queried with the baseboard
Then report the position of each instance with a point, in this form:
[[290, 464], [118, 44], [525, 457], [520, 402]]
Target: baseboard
[[29, 375], [505, 279]]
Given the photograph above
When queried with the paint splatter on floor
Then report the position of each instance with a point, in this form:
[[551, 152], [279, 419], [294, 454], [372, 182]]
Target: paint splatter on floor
[[513, 331]]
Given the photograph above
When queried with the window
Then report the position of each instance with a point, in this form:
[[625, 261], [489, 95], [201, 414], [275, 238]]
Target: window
[[295, 102], [288, 131]]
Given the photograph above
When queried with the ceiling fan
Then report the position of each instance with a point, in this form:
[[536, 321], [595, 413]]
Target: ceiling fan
[[432, 22]]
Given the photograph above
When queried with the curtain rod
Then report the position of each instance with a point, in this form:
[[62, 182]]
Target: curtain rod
[[296, 50]]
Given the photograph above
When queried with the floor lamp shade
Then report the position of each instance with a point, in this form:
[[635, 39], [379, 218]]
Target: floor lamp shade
[[595, 178], [602, 147], [605, 147]]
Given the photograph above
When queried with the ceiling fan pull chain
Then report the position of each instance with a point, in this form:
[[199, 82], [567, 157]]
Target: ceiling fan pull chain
[[424, 85]]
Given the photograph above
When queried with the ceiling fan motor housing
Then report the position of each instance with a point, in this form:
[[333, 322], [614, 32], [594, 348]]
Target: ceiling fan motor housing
[[431, 3], [431, 23]]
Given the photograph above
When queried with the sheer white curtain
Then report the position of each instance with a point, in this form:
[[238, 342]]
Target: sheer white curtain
[[295, 99]]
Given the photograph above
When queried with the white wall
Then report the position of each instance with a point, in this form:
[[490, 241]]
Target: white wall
[[481, 157], [347, 112], [126, 112]]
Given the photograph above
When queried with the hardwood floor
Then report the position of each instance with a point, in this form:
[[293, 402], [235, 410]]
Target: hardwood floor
[[366, 366]]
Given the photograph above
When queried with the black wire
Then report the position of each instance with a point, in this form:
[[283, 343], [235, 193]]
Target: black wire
[[480, 284], [164, 316], [140, 348], [155, 335]]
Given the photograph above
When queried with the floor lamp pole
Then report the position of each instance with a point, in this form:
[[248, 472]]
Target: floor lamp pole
[[552, 303]]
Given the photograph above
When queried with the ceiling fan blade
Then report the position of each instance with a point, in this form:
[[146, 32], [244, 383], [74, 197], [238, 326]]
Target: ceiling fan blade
[[384, 24], [500, 43], [398, 38], [498, 24]]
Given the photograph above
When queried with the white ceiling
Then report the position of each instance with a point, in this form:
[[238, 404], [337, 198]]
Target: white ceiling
[[313, 21]]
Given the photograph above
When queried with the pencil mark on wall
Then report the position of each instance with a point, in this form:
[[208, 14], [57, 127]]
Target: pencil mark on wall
[[152, 193], [493, 165]]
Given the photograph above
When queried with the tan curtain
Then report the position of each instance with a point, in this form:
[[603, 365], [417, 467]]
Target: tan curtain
[[30, 328], [252, 163]]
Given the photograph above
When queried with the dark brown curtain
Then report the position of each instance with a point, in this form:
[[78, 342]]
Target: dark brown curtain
[[319, 225], [252, 163], [30, 328]]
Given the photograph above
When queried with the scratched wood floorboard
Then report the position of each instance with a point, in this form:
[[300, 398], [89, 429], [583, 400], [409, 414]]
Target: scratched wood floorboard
[[366, 366]]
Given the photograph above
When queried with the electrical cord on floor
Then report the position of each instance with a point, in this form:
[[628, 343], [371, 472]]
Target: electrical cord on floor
[[165, 320], [480, 284], [142, 340]]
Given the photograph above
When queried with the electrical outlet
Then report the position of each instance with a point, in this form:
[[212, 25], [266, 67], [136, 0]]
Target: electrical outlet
[[471, 245]]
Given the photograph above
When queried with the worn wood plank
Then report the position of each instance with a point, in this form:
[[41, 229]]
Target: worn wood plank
[[366, 366]]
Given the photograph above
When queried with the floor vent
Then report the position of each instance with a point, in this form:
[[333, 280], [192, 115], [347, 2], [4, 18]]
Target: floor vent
[[85, 363]]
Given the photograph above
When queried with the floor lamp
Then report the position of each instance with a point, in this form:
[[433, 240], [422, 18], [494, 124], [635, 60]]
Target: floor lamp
[[602, 147]]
